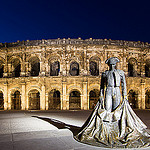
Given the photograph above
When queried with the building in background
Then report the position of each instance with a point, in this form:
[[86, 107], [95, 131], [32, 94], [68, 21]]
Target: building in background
[[65, 73]]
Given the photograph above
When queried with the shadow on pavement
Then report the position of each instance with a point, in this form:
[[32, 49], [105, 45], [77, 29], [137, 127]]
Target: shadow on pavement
[[60, 125]]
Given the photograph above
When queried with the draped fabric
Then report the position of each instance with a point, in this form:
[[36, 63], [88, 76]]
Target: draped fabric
[[121, 128]]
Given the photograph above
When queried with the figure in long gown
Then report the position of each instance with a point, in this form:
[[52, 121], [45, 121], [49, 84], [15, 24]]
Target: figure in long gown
[[113, 123]]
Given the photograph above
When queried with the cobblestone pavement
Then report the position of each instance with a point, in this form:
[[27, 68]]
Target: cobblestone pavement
[[22, 130]]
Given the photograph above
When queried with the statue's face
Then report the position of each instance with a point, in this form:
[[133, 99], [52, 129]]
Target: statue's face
[[112, 66]]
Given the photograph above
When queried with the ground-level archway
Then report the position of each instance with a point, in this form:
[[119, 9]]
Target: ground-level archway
[[54, 100], [16, 100], [93, 98], [1, 101], [74, 100], [147, 99], [133, 99], [34, 100]]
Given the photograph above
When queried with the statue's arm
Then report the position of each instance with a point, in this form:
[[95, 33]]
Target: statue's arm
[[123, 85], [103, 80]]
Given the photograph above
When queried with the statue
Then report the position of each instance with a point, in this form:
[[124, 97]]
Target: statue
[[113, 123]]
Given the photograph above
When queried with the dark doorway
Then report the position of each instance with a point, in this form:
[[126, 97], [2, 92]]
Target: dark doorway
[[55, 68], [93, 98], [74, 100], [1, 101], [133, 99], [34, 100], [74, 69], [54, 100], [94, 68], [147, 99], [16, 101]]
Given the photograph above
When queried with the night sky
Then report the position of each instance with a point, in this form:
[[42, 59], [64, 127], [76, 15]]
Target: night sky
[[52, 19]]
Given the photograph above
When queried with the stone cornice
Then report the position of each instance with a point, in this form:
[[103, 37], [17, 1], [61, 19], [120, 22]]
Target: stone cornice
[[78, 41]]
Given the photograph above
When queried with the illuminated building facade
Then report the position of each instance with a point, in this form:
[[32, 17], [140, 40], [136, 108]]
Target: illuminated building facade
[[65, 74]]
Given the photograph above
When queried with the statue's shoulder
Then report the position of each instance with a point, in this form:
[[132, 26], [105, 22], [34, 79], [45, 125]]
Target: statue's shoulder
[[121, 72]]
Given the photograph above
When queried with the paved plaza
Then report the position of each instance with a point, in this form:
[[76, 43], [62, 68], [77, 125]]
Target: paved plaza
[[47, 130]]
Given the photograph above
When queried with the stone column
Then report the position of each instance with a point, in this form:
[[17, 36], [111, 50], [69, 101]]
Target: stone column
[[142, 94], [23, 97], [143, 70], [42, 69], [42, 98], [9, 101], [64, 97], [84, 101], [46, 98], [5, 96], [23, 69], [9, 70]]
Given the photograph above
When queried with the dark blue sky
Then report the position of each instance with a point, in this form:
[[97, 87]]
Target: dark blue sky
[[51, 19]]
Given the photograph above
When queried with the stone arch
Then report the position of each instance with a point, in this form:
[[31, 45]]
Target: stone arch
[[54, 65], [55, 68], [132, 67], [94, 65], [147, 68], [74, 68], [54, 99], [133, 97], [15, 99], [93, 98], [34, 66], [1, 100], [34, 99], [74, 99], [15, 66], [147, 99]]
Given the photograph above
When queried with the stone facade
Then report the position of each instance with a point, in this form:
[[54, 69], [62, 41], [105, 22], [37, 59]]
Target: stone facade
[[65, 73]]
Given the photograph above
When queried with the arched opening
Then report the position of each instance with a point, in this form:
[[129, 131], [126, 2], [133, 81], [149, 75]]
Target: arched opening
[[74, 100], [34, 100], [93, 98], [34, 66], [94, 65], [16, 67], [94, 68], [1, 68], [16, 100], [132, 64], [55, 68], [147, 68], [133, 99], [54, 100], [74, 69], [147, 99], [1, 101]]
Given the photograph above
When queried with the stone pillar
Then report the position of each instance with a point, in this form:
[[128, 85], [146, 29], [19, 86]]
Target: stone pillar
[[64, 100], [28, 68], [9, 70], [42, 69], [142, 94], [23, 97], [9, 101], [5, 74], [42, 98], [143, 70], [23, 67], [5, 96], [84, 101], [46, 98]]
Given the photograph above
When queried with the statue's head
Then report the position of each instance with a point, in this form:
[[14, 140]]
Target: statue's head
[[112, 61]]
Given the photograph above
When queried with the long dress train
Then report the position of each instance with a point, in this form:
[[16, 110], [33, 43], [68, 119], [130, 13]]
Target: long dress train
[[121, 128]]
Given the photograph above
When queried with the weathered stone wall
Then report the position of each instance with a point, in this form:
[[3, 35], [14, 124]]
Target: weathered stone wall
[[28, 54]]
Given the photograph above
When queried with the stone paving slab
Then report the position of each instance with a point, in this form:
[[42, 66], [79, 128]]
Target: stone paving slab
[[21, 131]]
